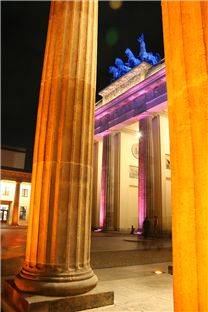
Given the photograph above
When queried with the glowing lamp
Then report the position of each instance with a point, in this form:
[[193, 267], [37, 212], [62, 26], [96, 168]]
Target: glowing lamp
[[158, 272]]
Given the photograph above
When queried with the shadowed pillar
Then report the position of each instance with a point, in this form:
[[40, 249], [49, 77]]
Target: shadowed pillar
[[157, 184], [15, 216], [145, 170], [107, 184], [185, 26], [57, 258]]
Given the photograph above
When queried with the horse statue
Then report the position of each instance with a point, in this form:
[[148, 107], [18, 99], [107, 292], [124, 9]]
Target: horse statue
[[119, 70], [123, 69], [132, 60], [158, 57], [147, 56], [113, 70]]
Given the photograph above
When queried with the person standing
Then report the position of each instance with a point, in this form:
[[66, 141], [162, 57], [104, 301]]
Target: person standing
[[146, 227]]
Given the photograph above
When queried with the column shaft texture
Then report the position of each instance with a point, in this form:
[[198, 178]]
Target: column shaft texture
[[185, 26], [157, 183], [57, 258], [107, 192], [145, 170], [15, 216]]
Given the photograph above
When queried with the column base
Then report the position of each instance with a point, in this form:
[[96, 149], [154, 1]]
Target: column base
[[15, 301], [54, 283]]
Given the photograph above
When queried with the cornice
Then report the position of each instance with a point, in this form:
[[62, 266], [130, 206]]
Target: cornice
[[17, 176], [144, 98], [124, 83]]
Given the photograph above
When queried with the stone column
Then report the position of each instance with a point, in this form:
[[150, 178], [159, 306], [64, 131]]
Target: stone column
[[15, 216], [185, 26], [57, 258], [145, 170], [157, 183], [107, 185]]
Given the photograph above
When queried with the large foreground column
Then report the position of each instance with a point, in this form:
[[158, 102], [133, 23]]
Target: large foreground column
[[57, 258], [185, 26]]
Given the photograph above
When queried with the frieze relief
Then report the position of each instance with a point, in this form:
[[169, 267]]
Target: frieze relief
[[124, 83], [118, 109], [131, 108]]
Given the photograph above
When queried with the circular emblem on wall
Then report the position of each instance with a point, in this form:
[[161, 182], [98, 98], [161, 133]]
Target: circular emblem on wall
[[135, 150]]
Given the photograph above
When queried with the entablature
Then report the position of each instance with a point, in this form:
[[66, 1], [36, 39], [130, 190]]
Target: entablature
[[119, 107]]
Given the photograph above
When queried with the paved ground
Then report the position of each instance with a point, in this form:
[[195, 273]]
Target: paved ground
[[137, 288], [115, 258]]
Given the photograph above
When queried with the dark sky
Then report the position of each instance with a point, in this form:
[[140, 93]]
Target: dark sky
[[23, 31]]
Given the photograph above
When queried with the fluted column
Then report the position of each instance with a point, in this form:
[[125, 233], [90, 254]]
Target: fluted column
[[185, 26], [57, 258], [107, 185], [157, 183], [15, 216], [145, 171]]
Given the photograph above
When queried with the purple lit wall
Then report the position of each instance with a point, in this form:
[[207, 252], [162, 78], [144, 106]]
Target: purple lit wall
[[135, 104], [142, 174], [103, 186]]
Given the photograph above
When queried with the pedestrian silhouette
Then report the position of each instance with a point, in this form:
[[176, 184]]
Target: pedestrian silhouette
[[146, 227]]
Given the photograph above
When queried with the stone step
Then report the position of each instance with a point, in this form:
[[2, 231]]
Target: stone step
[[109, 259]]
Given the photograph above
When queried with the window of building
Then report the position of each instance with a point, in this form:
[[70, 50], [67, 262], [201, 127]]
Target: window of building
[[25, 192], [4, 210], [23, 213], [5, 190]]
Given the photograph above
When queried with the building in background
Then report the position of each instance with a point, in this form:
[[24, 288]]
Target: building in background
[[131, 166], [131, 152], [15, 187]]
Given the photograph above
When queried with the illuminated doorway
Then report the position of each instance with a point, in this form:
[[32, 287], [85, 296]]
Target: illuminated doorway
[[4, 212]]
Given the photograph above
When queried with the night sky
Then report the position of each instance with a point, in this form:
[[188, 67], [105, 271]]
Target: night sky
[[24, 29]]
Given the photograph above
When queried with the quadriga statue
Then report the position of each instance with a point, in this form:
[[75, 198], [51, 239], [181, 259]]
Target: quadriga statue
[[132, 60], [119, 70], [115, 72], [123, 69], [147, 56]]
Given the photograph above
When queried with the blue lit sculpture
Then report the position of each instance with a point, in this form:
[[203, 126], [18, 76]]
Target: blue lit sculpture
[[121, 69], [132, 60], [113, 70], [147, 56]]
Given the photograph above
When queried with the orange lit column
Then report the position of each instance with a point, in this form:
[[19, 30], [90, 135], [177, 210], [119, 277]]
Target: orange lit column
[[57, 258], [185, 26], [15, 216]]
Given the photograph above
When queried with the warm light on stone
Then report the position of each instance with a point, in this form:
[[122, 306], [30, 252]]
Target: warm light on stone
[[185, 26], [57, 258]]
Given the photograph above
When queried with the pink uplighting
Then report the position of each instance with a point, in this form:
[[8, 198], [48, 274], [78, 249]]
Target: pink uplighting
[[142, 176], [103, 187], [125, 109], [102, 201]]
